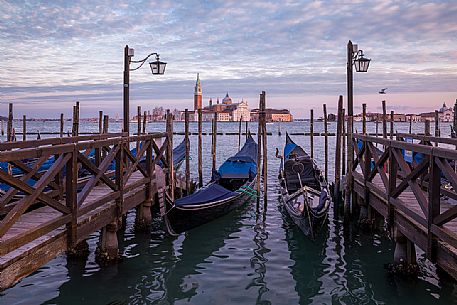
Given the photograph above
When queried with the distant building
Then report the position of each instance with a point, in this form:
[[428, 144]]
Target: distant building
[[198, 94], [273, 115], [227, 111]]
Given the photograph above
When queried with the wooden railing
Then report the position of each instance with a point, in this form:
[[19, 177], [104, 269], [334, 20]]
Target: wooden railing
[[76, 168], [412, 186]]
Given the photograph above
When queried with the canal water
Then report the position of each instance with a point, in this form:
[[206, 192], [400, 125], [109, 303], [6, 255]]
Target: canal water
[[245, 257]]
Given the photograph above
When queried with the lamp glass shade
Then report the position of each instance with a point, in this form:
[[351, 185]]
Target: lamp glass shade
[[361, 64], [158, 67]]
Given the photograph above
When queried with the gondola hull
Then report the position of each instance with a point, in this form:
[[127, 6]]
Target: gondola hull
[[304, 190], [307, 223], [181, 218]]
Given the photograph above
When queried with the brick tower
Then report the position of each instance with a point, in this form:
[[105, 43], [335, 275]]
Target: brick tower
[[198, 94]]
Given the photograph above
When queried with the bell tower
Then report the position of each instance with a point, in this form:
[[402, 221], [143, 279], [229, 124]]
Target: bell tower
[[198, 94]]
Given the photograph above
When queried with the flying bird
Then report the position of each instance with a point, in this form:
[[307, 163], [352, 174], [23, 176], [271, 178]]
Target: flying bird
[[383, 91]]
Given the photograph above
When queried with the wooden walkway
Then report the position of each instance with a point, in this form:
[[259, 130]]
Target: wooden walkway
[[414, 186], [91, 182]]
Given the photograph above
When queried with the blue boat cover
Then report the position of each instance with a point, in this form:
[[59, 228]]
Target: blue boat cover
[[212, 192], [242, 164], [179, 153]]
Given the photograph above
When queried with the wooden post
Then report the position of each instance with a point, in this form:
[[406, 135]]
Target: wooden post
[[77, 118], [144, 121], [62, 125], [392, 118], [311, 132], [200, 162], [214, 145], [434, 202], [239, 134], [437, 126], [384, 120], [73, 130], [171, 175], [264, 150], [427, 128], [410, 124], [343, 150], [339, 129], [247, 127], [24, 128], [364, 119], [9, 128], [186, 132], [3, 130], [100, 122], [259, 148], [325, 142], [138, 115], [105, 123], [377, 127]]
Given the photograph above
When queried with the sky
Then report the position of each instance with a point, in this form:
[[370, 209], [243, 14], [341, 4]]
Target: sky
[[57, 52]]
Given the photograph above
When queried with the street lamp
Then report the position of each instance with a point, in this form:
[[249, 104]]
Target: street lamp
[[157, 68], [355, 58]]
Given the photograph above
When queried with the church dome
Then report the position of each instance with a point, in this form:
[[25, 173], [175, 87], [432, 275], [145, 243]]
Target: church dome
[[227, 99]]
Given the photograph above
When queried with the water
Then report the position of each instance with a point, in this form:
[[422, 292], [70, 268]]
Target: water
[[246, 257]]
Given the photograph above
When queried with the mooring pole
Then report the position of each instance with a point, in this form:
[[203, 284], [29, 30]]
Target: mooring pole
[[138, 121], [62, 122], [427, 127], [437, 126], [100, 122], [311, 132], [24, 128], [171, 175], [264, 150], [105, 124], [9, 127], [384, 120], [186, 135], [392, 118], [239, 134], [339, 128], [259, 149], [364, 119], [247, 127], [144, 121], [214, 145], [325, 142], [410, 124], [73, 130], [200, 174], [77, 118], [343, 149]]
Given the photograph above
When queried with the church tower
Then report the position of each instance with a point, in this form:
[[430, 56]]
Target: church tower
[[198, 94]]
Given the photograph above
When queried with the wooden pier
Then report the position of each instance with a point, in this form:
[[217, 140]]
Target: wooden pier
[[413, 185], [45, 213]]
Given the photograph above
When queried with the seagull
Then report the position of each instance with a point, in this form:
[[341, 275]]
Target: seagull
[[383, 91]]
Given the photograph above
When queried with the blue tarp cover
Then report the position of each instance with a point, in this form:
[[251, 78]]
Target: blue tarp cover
[[242, 164], [212, 192]]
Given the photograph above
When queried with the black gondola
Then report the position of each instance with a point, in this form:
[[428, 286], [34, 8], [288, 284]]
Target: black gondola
[[304, 191], [231, 186]]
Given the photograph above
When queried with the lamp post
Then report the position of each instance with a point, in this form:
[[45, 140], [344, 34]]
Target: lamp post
[[157, 68], [355, 58]]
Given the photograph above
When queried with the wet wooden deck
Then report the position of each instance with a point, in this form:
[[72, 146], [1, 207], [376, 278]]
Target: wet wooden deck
[[422, 203], [32, 232]]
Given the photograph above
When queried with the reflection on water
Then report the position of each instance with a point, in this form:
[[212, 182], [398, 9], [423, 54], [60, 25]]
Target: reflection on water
[[249, 256]]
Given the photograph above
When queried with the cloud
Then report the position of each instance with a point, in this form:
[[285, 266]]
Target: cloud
[[72, 50]]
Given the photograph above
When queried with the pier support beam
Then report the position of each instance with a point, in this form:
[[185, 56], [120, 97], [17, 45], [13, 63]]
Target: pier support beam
[[404, 256], [80, 251], [108, 247], [143, 216]]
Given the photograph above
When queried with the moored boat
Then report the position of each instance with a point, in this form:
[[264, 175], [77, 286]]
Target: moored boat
[[231, 186], [304, 190]]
